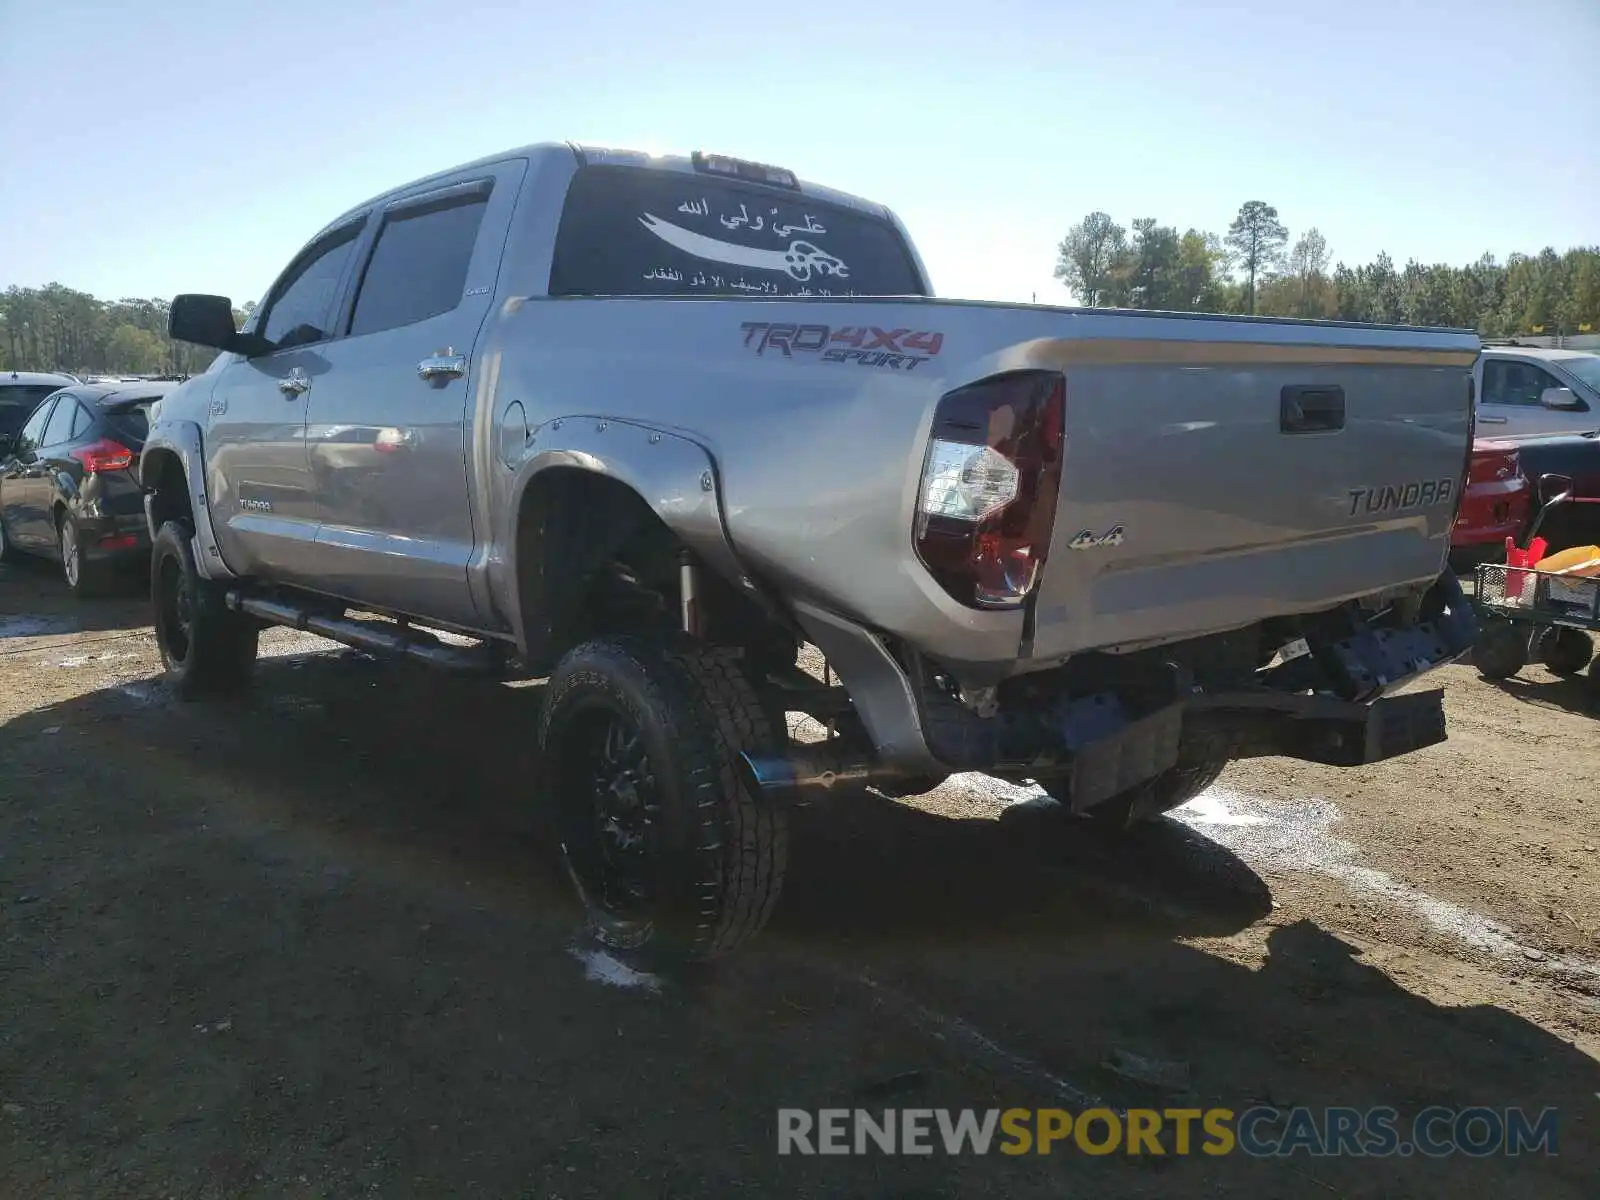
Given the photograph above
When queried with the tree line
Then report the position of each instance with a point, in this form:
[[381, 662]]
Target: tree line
[[1254, 268], [55, 328]]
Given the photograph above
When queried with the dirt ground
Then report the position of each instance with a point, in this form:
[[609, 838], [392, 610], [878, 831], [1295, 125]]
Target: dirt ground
[[305, 945]]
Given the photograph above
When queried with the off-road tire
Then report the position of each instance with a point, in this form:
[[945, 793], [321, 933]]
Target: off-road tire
[[1564, 651], [718, 856], [212, 655], [85, 578], [1501, 649]]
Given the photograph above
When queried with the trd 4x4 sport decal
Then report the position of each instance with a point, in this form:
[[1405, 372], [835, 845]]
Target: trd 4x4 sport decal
[[864, 345]]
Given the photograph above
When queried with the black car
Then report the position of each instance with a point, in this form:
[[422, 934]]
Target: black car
[[69, 485], [1575, 457]]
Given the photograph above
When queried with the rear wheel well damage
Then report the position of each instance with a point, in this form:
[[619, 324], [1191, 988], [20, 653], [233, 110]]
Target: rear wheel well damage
[[594, 559]]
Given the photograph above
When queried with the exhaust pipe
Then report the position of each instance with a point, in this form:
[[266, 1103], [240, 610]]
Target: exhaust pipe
[[803, 772]]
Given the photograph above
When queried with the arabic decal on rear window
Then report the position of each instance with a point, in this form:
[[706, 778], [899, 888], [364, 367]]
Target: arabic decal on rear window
[[861, 345], [635, 231]]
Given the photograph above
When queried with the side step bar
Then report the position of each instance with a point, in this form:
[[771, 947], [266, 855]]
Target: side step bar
[[380, 637]]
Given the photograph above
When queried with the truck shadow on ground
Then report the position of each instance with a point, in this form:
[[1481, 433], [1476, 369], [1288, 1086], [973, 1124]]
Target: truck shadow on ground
[[346, 864]]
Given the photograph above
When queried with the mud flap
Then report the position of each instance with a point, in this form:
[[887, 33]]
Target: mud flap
[[1114, 753]]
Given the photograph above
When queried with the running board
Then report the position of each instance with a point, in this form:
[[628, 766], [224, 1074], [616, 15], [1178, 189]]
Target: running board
[[379, 637]]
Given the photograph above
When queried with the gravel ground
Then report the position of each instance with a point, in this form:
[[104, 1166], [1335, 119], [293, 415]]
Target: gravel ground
[[305, 944]]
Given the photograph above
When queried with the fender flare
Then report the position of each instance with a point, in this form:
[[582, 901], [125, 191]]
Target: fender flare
[[181, 440], [674, 475]]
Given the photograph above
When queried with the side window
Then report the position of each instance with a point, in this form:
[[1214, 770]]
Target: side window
[[60, 428], [33, 431], [419, 263], [301, 307], [1507, 381], [1538, 380], [80, 422]]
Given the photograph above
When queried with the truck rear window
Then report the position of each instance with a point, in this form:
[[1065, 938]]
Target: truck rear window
[[632, 231]]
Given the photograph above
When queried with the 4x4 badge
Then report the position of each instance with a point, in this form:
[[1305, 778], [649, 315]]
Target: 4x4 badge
[[1087, 540]]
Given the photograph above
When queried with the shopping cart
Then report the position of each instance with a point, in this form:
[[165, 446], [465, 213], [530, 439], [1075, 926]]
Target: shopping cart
[[1527, 615]]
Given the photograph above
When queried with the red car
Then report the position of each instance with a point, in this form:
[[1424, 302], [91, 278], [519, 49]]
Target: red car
[[1496, 505]]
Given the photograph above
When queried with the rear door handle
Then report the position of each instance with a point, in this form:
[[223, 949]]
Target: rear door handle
[[1483, 420], [442, 367], [295, 384], [1309, 408]]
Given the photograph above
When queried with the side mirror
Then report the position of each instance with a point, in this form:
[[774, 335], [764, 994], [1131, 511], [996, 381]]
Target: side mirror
[[208, 321], [1562, 399], [1554, 487], [202, 320]]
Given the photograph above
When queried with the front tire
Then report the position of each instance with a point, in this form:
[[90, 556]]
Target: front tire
[[207, 649], [671, 855]]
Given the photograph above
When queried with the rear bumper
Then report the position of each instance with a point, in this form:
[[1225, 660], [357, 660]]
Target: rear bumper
[[1334, 704], [114, 536]]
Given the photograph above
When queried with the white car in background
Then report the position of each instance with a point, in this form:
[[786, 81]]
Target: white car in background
[[1525, 391]]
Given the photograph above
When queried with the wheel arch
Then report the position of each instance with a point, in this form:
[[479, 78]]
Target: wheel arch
[[587, 486], [172, 474]]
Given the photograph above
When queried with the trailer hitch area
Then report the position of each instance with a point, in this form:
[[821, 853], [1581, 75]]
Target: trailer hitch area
[[1323, 729]]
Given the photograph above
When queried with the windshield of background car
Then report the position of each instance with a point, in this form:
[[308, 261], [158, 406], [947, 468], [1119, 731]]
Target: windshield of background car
[[632, 231], [1586, 368], [17, 402]]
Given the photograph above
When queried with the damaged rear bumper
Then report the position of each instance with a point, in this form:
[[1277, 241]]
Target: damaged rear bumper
[[1334, 704]]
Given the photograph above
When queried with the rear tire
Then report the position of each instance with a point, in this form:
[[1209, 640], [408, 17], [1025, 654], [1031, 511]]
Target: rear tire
[[7, 554], [207, 649], [671, 855], [1565, 651], [85, 577]]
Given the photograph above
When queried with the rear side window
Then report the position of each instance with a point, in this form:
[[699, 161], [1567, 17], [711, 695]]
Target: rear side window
[[81, 421], [632, 231], [60, 428], [419, 264]]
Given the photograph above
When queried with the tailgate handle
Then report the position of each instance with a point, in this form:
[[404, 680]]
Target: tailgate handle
[[1310, 409]]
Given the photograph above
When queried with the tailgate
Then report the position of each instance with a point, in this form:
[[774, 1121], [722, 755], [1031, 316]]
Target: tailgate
[[1209, 484]]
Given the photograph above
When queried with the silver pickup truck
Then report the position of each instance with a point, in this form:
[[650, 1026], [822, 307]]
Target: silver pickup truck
[[650, 427]]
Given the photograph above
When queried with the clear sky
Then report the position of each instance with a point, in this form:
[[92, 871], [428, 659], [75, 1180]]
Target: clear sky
[[193, 145]]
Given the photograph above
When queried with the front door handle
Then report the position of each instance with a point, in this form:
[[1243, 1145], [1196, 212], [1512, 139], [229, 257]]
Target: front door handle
[[442, 367], [1483, 420], [295, 384]]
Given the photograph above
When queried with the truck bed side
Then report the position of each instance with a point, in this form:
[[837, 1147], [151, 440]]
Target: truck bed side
[[1189, 434]]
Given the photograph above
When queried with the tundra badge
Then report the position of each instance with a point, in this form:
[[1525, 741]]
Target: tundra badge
[[1400, 497]]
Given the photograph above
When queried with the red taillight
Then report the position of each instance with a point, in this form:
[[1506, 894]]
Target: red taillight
[[987, 502], [104, 455], [1494, 462]]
